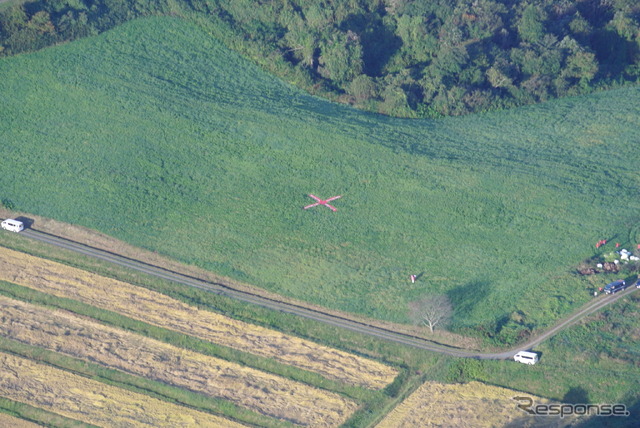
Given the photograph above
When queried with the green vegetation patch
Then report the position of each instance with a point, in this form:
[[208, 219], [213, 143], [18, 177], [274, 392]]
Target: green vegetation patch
[[156, 134], [403, 58], [595, 361]]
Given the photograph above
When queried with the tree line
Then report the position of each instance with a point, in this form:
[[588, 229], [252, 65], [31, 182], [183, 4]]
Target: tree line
[[414, 58], [32, 25]]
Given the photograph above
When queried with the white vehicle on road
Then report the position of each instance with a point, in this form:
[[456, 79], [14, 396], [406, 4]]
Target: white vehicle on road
[[12, 225], [526, 357]]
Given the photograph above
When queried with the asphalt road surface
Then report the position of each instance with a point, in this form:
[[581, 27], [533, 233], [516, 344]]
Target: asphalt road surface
[[394, 336]]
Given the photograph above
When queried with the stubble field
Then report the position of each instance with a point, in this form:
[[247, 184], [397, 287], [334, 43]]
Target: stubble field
[[11, 421], [467, 405], [270, 395], [91, 401], [158, 309]]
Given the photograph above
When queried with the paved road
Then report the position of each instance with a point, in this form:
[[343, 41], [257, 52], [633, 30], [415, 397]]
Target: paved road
[[361, 327]]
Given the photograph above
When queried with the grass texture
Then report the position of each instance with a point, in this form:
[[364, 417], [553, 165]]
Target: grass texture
[[156, 134]]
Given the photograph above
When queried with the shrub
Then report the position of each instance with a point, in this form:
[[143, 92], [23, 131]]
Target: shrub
[[465, 370], [8, 204]]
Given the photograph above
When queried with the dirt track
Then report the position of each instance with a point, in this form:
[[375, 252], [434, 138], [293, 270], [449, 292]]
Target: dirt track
[[163, 311], [318, 315]]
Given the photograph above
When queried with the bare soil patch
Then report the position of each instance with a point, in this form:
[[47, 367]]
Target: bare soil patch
[[160, 310]]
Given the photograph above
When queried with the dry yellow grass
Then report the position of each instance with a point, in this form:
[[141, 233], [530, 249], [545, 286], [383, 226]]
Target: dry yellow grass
[[93, 402], [472, 405], [13, 422], [270, 395], [160, 310]]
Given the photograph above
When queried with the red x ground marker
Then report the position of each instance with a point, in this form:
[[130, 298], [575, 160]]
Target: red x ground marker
[[324, 202]]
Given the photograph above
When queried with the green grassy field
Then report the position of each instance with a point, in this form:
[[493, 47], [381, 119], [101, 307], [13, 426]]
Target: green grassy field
[[156, 134]]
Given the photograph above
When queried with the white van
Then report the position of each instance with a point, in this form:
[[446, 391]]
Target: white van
[[12, 225], [526, 357]]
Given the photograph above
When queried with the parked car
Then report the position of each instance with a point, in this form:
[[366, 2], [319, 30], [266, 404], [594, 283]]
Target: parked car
[[526, 357], [12, 225], [615, 286]]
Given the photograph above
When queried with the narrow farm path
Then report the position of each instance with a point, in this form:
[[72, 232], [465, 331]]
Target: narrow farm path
[[297, 309]]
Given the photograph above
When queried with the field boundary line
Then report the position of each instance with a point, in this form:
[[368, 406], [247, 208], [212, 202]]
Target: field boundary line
[[310, 313]]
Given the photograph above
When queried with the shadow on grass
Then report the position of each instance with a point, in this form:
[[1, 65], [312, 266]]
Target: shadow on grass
[[576, 395], [465, 297], [630, 421], [28, 222], [579, 395]]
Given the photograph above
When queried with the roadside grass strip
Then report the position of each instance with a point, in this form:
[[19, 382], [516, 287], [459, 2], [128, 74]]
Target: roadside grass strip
[[472, 404], [261, 392], [93, 402], [157, 309]]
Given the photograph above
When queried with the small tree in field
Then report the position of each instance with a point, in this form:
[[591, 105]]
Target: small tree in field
[[431, 311]]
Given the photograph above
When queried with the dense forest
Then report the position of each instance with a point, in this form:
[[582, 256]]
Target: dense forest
[[414, 58]]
